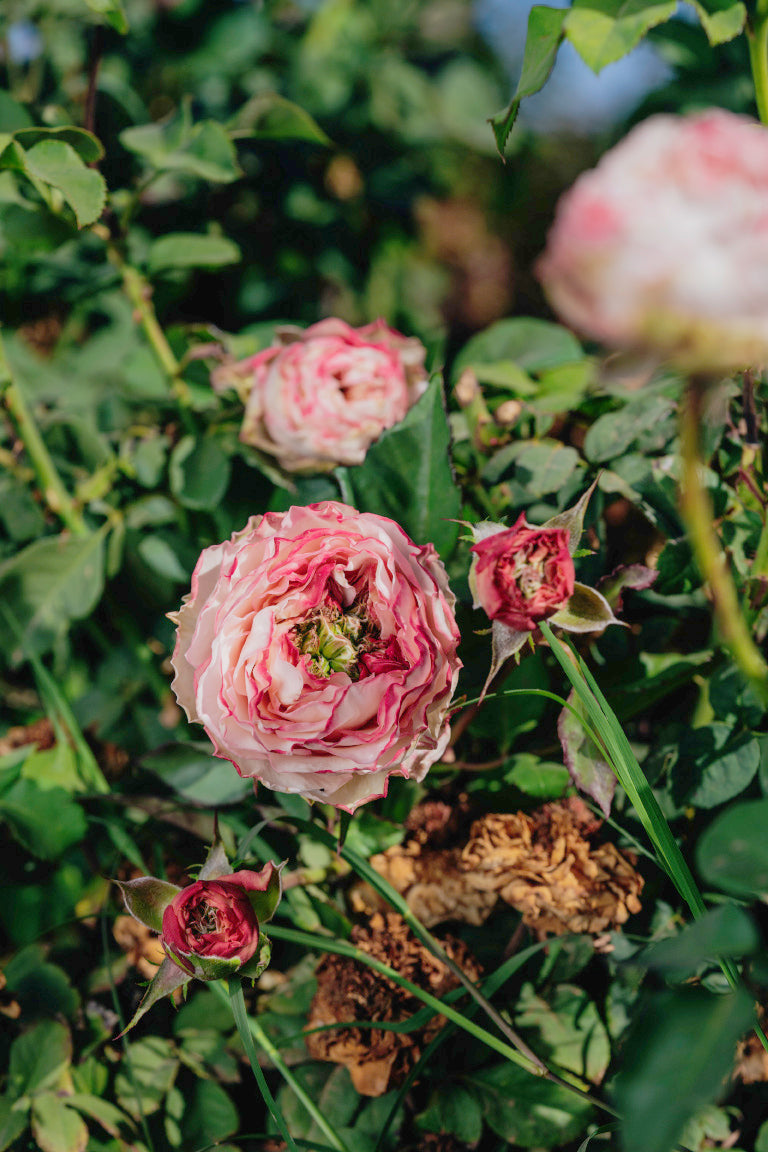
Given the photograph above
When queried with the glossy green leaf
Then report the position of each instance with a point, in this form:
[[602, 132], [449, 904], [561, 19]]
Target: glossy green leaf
[[269, 116], [681, 1047], [198, 776], [455, 1109], [722, 20], [732, 853], [602, 31], [46, 821], [570, 1027], [407, 475], [112, 12], [88, 147], [204, 150], [199, 472], [191, 250], [12, 1122], [725, 931], [209, 1115], [526, 1111], [39, 1059], [714, 765], [544, 37], [534, 345]]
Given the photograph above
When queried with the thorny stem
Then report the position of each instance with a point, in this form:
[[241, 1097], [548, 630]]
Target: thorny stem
[[237, 1004], [699, 518], [51, 485], [757, 39], [139, 293]]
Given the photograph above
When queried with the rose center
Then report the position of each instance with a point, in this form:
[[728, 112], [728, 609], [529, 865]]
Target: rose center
[[334, 640], [203, 920], [525, 569]]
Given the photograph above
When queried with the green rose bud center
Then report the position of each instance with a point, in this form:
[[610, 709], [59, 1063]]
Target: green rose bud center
[[334, 639]]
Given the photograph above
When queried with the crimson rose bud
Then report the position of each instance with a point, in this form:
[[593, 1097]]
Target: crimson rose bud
[[523, 575], [210, 928]]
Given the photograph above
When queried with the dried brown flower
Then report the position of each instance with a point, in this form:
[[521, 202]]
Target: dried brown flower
[[433, 884], [348, 990], [751, 1057], [544, 865], [142, 946]]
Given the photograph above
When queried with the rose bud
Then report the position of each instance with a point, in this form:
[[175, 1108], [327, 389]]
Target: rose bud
[[523, 575], [317, 648], [319, 397], [662, 247], [210, 929]]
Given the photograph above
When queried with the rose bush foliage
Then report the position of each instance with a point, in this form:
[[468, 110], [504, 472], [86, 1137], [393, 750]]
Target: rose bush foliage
[[320, 396], [318, 649]]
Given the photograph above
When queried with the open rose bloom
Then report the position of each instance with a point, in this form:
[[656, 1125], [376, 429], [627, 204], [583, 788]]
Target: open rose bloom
[[662, 248], [524, 574], [318, 650], [319, 397]]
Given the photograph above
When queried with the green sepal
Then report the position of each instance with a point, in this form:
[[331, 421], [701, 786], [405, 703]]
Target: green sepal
[[216, 862], [147, 898], [585, 611], [167, 979], [206, 967], [505, 642], [256, 965], [264, 903], [573, 519]]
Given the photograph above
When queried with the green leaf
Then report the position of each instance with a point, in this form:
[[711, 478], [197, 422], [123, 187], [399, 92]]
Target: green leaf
[[614, 433], [147, 898], [13, 116], [56, 1127], [732, 853], [39, 1059], [209, 1116], [159, 555], [586, 763], [49, 584], [541, 469], [586, 610], [571, 1028], [192, 772], [722, 20], [12, 1122], [191, 250], [269, 116], [45, 821], [41, 989], [106, 1114], [677, 1057], [112, 12], [541, 778], [88, 147], [58, 164], [454, 1108], [407, 475], [534, 345], [177, 145], [199, 472], [725, 931], [544, 37], [527, 1111], [714, 765], [602, 31]]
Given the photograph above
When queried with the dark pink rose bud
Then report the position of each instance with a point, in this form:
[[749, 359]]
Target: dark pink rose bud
[[210, 928], [523, 575]]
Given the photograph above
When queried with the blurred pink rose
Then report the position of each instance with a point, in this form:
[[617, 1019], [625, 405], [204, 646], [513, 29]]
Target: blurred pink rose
[[318, 650], [663, 246], [523, 575], [214, 920], [321, 396]]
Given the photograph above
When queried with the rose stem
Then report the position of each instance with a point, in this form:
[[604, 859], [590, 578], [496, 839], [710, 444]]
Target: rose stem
[[237, 1004], [51, 485], [139, 292], [757, 39], [698, 515]]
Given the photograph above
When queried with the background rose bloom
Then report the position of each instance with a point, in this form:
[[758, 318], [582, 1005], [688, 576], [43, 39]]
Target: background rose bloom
[[318, 649], [523, 575], [321, 396], [663, 246], [213, 919]]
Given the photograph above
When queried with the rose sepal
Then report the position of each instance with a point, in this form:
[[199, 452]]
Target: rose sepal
[[586, 610], [146, 898], [204, 967], [265, 901], [166, 980], [256, 965]]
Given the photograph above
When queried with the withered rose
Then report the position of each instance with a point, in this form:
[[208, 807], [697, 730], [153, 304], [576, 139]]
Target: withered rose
[[523, 575], [318, 650], [213, 920], [662, 247], [319, 397]]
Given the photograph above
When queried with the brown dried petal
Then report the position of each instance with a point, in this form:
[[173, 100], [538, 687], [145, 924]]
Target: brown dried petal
[[347, 991]]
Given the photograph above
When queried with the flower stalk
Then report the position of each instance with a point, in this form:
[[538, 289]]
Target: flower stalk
[[698, 515], [757, 40]]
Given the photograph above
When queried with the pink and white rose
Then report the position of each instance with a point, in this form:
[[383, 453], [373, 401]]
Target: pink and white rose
[[663, 246], [319, 397], [317, 648]]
